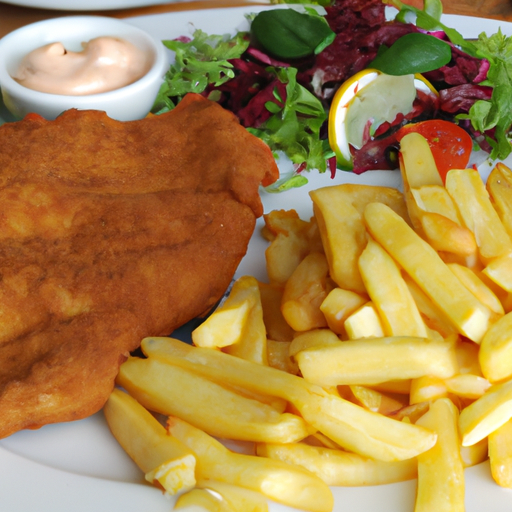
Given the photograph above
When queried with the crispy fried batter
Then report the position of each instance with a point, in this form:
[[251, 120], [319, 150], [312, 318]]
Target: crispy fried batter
[[110, 232]]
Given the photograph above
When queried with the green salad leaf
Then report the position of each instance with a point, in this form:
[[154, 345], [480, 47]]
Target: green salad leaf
[[289, 34], [202, 61], [413, 53], [497, 112], [294, 129]]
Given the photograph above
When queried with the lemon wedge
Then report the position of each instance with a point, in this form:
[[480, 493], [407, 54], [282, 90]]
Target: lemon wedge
[[366, 101]]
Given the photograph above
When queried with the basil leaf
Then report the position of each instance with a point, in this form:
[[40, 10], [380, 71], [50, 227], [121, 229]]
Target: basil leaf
[[413, 53], [289, 34]]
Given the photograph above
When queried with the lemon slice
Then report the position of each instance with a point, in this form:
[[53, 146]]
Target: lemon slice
[[364, 102]]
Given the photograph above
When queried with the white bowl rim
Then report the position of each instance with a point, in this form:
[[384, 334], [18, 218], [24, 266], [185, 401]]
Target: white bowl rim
[[92, 29]]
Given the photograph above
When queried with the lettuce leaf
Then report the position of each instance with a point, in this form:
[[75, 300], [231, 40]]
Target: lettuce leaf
[[199, 62], [294, 127]]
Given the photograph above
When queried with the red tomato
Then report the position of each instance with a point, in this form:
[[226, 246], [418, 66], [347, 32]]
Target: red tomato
[[451, 145]]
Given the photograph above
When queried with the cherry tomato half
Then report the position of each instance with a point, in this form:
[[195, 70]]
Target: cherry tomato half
[[450, 145]]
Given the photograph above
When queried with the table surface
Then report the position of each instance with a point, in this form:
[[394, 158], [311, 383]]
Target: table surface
[[13, 16]]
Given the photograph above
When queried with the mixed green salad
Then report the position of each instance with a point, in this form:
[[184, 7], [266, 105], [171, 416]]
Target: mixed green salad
[[280, 77]]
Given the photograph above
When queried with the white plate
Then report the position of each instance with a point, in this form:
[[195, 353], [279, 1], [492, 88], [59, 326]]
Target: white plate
[[78, 466], [88, 5]]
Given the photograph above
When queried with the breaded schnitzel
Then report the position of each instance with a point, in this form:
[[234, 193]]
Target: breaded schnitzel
[[110, 232]]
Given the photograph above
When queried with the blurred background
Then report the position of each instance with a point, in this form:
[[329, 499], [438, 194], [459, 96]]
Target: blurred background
[[19, 13]]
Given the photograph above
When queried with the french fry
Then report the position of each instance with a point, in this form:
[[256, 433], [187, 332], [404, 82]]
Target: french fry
[[418, 165], [271, 297], [166, 462], [278, 404], [338, 211], [427, 269], [434, 318], [477, 287], [495, 355], [340, 468], [474, 454], [283, 256], [499, 186], [226, 325], [411, 413], [507, 302], [172, 390], [436, 217], [290, 485], [237, 325], [389, 293], [285, 222], [361, 361], [365, 322], [200, 500], [468, 191], [486, 414], [356, 429], [445, 235], [399, 387], [427, 388], [440, 224], [467, 357], [467, 385], [435, 199], [314, 236], [386, 441], [338, 306], [440, 469], [224, 328], [312, 339], [239, 499], [304, 292], [375, 400], [499, 271], [278, 354], [290, 243], [500, 454], [418, 168]]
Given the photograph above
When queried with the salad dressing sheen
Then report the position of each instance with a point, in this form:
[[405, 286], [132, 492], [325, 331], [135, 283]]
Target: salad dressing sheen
[[104, 64]]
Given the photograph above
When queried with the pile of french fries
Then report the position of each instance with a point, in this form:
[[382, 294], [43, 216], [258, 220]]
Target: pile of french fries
[[379, 351]]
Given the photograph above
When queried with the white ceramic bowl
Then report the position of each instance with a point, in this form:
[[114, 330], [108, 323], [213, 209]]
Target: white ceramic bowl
[[131, 102]]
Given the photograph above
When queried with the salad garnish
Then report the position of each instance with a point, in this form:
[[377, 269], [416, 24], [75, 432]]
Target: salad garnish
[[289, 34], [412, 53], [489, 116], [280, 77], [199, 62], [294, 128], [494, 115]]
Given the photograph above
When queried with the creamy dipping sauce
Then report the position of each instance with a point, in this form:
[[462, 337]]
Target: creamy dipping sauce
[[104, 64]]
